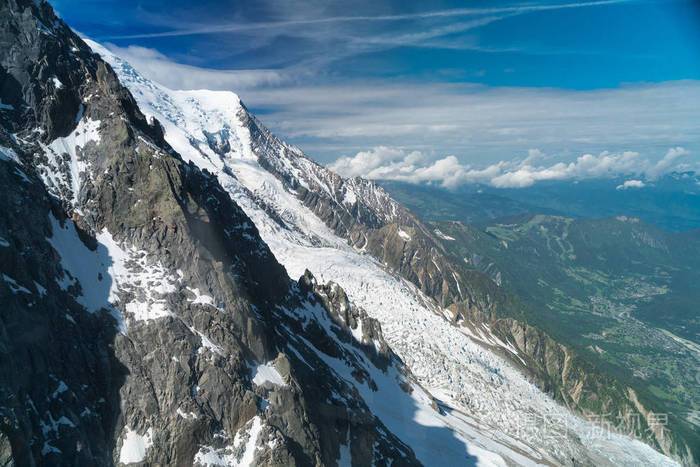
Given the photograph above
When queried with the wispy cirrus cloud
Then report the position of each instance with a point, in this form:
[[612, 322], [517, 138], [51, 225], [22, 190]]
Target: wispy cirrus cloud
[[286, 24], [325, 44], [386, 163], [314, 39]]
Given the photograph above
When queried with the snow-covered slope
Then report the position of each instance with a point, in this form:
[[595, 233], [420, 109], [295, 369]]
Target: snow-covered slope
[[498, 416]]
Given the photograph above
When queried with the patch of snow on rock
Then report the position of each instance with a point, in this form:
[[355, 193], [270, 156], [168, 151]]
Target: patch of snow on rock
[[442, 235], [109, 270], [267, 373], [241, 453], [7, 154], [187, 415], [404, 235], [202, 299], [56, 179], [135, 446], [93, 270], [14, 286], [206, 343]]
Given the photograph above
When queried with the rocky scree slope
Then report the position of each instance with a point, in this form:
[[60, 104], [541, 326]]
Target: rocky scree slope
[[143, 319], [269, 179]]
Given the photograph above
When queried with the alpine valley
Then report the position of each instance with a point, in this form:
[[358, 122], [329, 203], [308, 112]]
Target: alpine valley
[[180, 287]]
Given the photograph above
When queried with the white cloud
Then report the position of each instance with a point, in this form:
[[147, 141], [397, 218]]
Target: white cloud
[[385, 163], [671, 159], [397, 164], [631, 184], [379, 158], [585, 166], [161, 69]]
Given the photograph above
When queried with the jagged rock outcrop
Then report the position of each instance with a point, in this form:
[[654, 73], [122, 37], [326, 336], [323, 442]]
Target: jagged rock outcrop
[[367, 330]]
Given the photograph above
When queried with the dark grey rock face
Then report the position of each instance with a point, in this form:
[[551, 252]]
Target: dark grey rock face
[[59, 379], [142, 318]]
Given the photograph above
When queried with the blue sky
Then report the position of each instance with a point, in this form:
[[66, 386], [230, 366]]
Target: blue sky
[[482, 81]]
